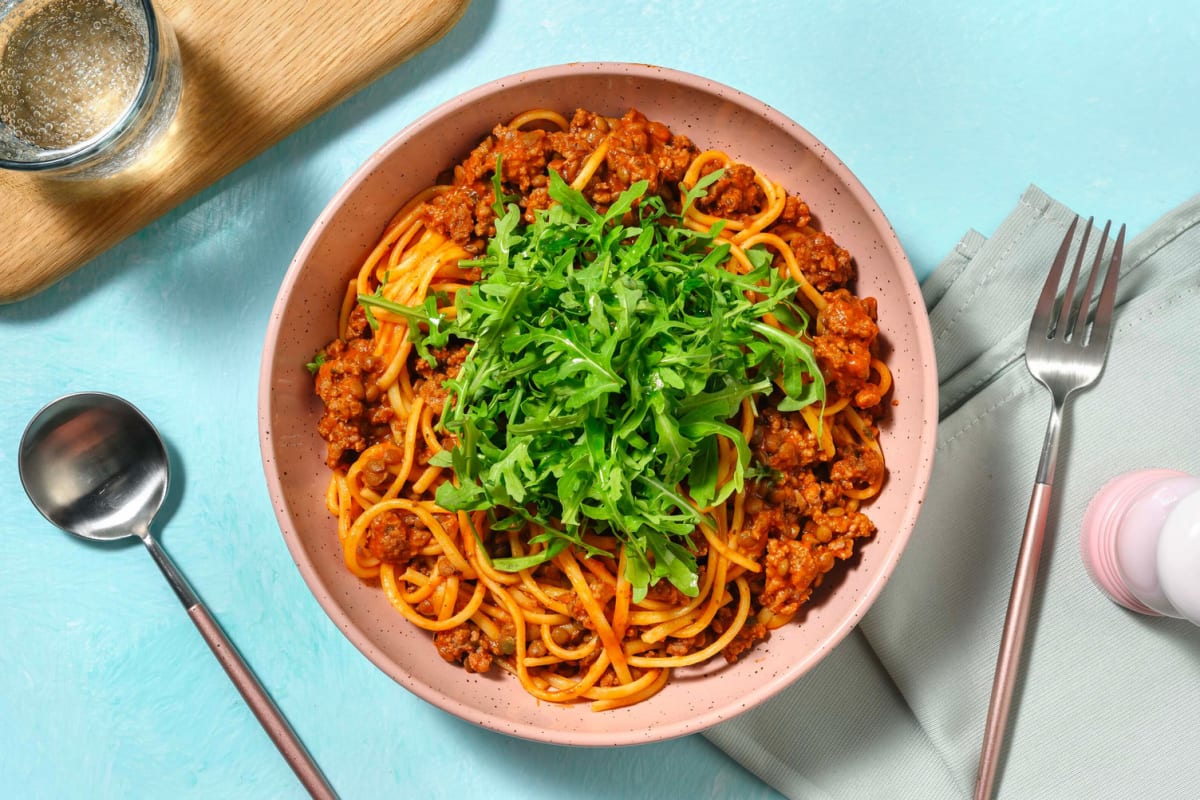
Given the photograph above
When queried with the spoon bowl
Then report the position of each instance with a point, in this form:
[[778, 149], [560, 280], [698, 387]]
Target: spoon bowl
[[94, 466]]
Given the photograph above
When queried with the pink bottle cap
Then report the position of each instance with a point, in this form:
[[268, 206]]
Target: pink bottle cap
[[1119, 538]]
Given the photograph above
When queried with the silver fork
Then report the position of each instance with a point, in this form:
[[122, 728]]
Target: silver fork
[[1065, 351]]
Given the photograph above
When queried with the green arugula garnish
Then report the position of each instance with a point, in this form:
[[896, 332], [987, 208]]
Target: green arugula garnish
[[606, 363], [426, 327], [315, 365]]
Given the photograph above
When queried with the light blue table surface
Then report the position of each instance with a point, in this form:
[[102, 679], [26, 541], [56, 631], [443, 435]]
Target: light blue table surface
[[944, 110]]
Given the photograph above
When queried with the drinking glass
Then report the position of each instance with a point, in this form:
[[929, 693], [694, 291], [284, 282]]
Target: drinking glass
[[86, 86]]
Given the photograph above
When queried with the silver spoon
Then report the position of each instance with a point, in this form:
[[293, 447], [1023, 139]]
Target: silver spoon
[[96, 468]]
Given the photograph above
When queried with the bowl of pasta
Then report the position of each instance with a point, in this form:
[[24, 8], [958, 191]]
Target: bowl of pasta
[[598, 405]]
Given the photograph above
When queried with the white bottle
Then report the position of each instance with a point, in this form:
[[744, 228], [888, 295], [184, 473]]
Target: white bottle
[[1141, 542]]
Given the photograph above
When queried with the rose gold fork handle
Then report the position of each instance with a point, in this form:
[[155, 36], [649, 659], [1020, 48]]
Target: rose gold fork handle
[[260, 703], [1013, 640]]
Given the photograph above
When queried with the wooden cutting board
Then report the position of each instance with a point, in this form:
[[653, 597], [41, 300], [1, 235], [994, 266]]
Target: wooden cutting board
[[253, 72]]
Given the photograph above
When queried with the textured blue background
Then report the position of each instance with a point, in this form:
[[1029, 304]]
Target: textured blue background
[[944, 110]]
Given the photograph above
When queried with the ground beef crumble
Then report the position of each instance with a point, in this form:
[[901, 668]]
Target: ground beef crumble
[[397, 537], [845, 347], [353, 418]]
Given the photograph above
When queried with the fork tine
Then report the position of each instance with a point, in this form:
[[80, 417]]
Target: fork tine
[[1078, 326], [1068, 309], [1108, 294], [1043, 312]]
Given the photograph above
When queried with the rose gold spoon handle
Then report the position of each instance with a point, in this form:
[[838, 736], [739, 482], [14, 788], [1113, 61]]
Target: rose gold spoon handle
[[247, 683]]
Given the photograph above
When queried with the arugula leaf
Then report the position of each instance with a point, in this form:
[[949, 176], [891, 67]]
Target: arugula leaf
[[433, 333], [315, 365], [516, 564], [610, 351], [701, 188], [501, 200]]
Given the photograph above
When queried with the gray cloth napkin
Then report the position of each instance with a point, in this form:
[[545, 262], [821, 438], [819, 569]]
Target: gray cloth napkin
[[1109, 701]]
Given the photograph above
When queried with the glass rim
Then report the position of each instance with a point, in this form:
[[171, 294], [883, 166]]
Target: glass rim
[[95, 146]]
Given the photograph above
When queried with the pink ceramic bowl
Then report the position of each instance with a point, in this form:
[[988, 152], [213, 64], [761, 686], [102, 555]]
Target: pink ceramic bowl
[[304, 319]]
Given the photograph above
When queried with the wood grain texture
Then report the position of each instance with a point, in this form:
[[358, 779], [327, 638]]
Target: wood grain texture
[[253, 73]]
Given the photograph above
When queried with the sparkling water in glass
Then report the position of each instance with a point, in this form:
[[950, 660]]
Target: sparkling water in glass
[[86, 86]]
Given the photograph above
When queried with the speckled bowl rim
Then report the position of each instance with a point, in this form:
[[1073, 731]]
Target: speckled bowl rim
[[867, 593]]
